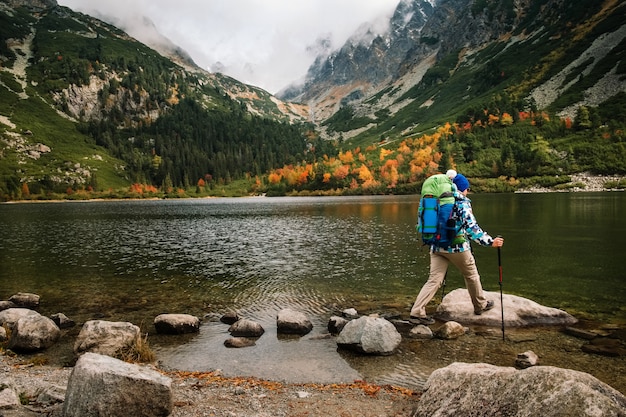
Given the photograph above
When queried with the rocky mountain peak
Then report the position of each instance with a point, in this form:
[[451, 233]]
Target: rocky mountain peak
[[370, 57], [33, 4]]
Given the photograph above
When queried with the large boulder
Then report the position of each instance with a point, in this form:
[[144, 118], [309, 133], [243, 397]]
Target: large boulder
[[106, 337], [463, 389], [102, 386], [176, 323], [292, 322], [32, 333], [370, 335], [518, 311]]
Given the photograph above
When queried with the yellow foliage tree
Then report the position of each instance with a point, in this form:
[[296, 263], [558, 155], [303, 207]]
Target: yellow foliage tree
[[274, 177], [346, 157], [364, 173], [384, 153]]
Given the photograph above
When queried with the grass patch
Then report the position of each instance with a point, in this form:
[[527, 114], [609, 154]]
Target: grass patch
[[139, 352]]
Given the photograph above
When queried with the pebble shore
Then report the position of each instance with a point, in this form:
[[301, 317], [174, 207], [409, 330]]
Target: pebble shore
[[210, 394]]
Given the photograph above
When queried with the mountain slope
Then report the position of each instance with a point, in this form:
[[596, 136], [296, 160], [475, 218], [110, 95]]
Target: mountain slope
[[546, 54], [84, 105]]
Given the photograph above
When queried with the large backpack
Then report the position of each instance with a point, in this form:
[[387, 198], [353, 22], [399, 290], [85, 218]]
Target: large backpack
[[434, 222]]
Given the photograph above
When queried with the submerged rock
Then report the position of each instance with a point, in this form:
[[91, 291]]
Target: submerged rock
[[518, 311], [239, 342], [605, 346]]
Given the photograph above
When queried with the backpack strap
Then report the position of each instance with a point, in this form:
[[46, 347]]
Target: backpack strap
[[442, 195]]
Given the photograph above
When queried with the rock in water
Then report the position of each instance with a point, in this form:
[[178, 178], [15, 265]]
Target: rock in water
[[518, 311], [246, 328], [176, 323], [239, 342], [293, 322], [451, 330], [370, 335], [526, 359], [106, 337], [336, 324], [25, 299]]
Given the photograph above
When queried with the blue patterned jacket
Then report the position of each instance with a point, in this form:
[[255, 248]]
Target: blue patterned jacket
[[466, 225]]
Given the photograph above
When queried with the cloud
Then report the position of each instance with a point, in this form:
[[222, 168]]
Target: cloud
[[267, 43]]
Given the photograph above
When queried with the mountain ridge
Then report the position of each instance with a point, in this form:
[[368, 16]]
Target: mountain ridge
[[477, 84], [85, 105], [460, 31]]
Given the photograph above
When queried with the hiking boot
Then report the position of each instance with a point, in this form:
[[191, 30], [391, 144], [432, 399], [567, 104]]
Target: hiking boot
[[487, 307], [421, 320]]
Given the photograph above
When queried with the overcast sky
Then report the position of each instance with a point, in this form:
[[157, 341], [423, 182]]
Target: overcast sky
[[267, 43]]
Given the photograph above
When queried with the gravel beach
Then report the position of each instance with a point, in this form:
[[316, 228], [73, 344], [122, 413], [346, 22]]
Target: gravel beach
[[210, 394]]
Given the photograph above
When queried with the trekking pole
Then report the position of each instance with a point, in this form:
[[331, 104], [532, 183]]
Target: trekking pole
[[501, 302], [443, 286]]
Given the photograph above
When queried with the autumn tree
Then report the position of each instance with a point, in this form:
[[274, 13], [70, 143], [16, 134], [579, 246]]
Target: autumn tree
[[25, 190]]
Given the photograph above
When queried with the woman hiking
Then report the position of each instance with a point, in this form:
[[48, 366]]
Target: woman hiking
[[459, 254]]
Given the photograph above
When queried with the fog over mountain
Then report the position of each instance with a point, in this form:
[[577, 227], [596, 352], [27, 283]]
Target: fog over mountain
[[269, 44]]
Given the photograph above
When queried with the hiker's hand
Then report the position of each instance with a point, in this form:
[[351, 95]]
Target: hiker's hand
[[498, 242]]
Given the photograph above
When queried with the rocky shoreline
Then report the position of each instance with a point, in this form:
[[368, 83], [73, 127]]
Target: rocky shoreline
[[30, 387], [582, 182]]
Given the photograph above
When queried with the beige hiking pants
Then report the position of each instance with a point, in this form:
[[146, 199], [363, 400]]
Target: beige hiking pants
[[465, 263]]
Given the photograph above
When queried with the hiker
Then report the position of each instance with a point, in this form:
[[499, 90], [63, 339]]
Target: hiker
[[459, 254]]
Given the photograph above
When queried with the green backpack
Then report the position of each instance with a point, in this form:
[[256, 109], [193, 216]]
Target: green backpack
[[434, 222]]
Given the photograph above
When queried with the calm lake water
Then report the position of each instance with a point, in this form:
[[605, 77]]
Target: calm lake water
[[132, 260]]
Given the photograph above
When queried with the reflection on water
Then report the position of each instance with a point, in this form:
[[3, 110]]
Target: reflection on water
[[133, 260]]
